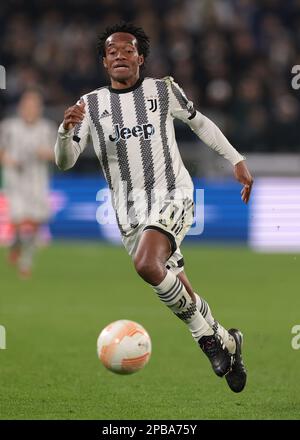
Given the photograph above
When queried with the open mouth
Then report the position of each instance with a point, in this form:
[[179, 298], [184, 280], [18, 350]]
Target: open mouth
[[121, 67]]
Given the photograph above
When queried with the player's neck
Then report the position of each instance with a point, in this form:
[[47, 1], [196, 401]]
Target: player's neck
[[126, 84]]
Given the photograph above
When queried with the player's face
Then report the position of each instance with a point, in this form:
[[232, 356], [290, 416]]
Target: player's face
[[30, 107], [122, 60]]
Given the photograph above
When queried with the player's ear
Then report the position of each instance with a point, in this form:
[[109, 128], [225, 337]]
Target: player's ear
[[141, 60], [104, 62]]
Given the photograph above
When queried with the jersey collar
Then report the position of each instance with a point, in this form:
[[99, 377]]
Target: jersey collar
[[129, 89]]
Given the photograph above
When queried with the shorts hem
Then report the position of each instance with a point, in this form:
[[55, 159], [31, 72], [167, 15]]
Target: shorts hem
[[167, 234]]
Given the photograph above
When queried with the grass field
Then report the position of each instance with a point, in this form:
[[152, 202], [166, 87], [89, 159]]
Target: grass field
[[50, 369]]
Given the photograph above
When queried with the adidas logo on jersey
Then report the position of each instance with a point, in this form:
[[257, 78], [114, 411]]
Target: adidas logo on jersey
[[105, 114], [143, 130]]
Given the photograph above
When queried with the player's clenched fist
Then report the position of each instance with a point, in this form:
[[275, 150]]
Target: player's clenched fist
[[74, 115]]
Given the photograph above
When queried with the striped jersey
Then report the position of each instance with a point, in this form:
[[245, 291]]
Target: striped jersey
[[21, 142], [133, 135]]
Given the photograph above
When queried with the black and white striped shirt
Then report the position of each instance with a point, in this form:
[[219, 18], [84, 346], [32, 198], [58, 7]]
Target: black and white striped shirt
[[133, 135]]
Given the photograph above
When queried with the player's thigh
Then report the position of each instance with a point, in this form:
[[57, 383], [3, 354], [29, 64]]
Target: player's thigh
[[153, 246]]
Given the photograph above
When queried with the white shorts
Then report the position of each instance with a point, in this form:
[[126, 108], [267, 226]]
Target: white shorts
[[22, 209], [174, 220]]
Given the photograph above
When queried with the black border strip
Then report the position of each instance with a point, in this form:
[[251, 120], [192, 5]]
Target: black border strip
[[192, 115]]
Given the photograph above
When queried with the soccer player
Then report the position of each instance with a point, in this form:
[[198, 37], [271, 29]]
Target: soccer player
[[130, 123], [25, 150]]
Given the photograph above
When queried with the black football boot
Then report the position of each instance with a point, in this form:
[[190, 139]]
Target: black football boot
[[217, 353], [237, 376]]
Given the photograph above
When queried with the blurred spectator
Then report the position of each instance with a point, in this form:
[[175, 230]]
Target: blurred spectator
[[25, 149]]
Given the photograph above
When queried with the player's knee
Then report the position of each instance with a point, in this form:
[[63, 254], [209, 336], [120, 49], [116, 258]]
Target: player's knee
[[149, 270]]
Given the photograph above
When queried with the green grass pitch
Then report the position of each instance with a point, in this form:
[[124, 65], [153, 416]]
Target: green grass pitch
[[50, 369]]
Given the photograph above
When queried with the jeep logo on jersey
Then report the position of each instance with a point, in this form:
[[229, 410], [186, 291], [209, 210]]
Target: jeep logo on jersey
[[144, 130]]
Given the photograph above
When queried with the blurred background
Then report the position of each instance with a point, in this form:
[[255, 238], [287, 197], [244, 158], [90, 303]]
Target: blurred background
[[232, 58]]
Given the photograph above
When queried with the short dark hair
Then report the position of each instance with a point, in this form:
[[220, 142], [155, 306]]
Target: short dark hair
[[128, 28]]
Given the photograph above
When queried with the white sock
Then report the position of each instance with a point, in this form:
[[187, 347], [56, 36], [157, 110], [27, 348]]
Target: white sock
[[173, 294], [205, 311], [27, 250]]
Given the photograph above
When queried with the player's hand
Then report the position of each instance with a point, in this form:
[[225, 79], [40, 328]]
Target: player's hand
[[243, 175], [74, 115]]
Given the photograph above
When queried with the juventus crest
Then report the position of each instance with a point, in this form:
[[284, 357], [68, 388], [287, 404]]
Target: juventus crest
[[152, 104]]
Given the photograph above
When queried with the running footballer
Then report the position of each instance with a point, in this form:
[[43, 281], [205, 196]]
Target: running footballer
[[130, 123]]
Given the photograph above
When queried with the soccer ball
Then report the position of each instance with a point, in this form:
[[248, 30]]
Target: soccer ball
[[124, 347]]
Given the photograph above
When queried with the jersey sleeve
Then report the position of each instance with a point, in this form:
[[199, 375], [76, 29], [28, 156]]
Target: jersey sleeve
[[203, 127], [71, 143], [180, 107]]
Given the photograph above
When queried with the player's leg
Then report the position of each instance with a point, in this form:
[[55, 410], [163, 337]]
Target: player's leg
[[15, 246], [205, 310], [233, 339], [28, 233], [15, 214], [153, 251], [35, 212], [150, 263]]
